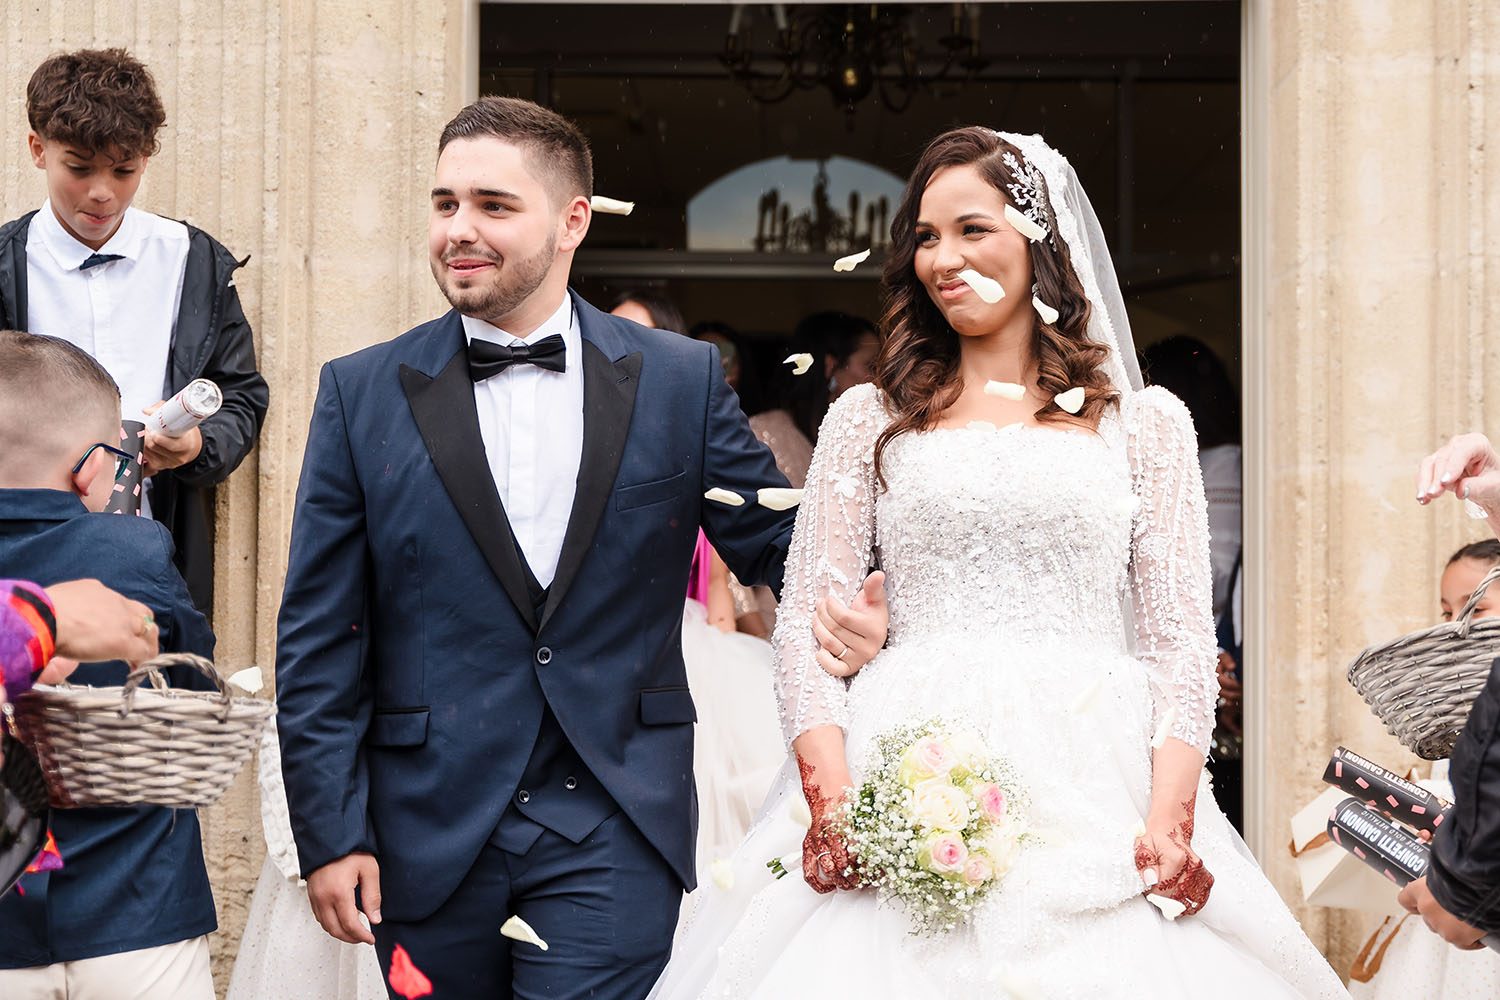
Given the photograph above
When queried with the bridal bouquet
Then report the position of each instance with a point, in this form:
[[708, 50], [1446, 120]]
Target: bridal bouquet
[[935, 824]]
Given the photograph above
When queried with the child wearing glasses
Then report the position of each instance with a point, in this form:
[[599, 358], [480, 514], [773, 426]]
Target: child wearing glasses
[[128, 913]]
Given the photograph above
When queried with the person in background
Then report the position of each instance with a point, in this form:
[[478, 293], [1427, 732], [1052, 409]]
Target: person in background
[[128, 914], [1400, 959], [1459, 898], [731, 356], [843, 349], [151, 299], [1191, 371], [649, 307]]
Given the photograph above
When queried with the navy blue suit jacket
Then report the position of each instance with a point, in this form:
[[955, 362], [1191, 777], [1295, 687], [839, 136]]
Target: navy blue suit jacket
[[131, 878], [412, 668]]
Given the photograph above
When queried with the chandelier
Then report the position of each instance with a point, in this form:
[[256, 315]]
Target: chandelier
[[854, 50]]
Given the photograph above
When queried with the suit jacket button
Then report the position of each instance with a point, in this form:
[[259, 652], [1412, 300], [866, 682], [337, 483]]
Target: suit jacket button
[[523, 796], [571, 783], [544, 656]]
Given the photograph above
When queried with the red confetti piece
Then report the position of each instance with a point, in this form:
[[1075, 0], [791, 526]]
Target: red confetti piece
[[49, 860], [406, 978]]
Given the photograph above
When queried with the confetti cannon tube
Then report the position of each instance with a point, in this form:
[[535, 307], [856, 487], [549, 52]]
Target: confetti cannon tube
[[1384, 845], [198, 400], [1387, 791]]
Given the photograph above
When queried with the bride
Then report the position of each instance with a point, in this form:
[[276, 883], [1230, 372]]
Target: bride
[[1041, 522]]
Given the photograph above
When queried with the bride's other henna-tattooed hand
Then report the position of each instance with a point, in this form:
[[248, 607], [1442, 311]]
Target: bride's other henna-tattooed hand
[[1167, 864], [825, 855]]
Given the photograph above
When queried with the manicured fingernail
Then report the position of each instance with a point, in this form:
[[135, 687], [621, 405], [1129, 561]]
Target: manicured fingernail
[[1149, 877]]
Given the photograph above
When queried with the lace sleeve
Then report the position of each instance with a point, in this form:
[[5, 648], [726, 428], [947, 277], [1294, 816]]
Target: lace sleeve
[[832, 549], [1171, 575]]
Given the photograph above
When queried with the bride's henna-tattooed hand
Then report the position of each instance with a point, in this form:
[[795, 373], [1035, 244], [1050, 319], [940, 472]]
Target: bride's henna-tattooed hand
[[826, 864], [1169, 867]]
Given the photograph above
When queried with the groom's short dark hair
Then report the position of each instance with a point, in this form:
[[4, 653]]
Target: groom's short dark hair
[[564, 157]]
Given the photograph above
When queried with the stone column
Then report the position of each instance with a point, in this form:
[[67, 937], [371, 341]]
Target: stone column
[[1373, 233], [301, 133]]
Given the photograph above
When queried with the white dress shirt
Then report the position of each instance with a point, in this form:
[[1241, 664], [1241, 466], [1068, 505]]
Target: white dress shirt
[[531, 420], [122, 312], [1221, 487]]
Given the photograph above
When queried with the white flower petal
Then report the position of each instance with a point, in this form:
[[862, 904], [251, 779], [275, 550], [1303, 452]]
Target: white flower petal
[[1085, 700], [249, 680], [1022, 224], [1046, 312], [720, 495], [1475, 511], [800, 363], [850, 262], [722, 873], [987, 289], [609, 206], [798, 811], [1164, 728], [1170, 908], [519, 930], [1005, 390], [778, 497], [1072, 400]]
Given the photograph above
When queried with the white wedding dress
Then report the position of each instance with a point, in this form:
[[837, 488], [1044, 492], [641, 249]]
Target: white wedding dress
[[1050, 587]]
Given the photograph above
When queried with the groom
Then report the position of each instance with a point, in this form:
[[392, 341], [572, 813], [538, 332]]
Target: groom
[[484, 710]]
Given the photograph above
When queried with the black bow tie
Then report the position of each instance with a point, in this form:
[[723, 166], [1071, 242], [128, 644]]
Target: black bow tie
[[487, 360], [94, 260]]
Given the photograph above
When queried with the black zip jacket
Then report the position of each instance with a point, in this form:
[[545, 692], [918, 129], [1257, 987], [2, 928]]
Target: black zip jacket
[[1465, 872], [212, 340]]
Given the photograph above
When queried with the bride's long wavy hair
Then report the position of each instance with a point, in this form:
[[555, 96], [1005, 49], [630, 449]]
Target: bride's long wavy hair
[[917, 368]]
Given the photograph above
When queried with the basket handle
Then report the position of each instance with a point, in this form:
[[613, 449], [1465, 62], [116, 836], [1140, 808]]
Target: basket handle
[[151, 669], [1466, 616]]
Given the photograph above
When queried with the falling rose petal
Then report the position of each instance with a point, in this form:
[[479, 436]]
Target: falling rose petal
[[1169, 907], [406, 978], [1005, 390], [1022, 224], [1046, 312], [850, 262], [723, 496], [778, 497], [519, 930], [799, 812], [250, 680], [1085, 700], [1164, 729], [609, 206], [1072, 400], [1475, 511], [722, 873], [800, 363], [987, 289]]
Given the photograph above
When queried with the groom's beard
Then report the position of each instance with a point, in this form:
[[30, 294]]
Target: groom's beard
[[506, 287]]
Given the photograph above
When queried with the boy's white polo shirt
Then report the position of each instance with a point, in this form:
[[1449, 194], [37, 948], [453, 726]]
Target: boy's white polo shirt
[[122, 312]]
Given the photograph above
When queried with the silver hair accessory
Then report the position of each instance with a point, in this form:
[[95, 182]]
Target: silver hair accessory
[[1028, 192]]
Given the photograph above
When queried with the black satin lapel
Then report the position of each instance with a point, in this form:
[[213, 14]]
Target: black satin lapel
[[608, 400], [449, 422]]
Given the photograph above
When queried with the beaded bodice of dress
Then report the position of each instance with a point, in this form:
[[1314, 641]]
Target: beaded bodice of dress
[[1014, 533]]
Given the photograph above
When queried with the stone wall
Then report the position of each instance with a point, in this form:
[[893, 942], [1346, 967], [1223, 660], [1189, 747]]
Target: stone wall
[[302, 134]]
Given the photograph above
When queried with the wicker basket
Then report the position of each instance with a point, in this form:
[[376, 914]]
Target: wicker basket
[[1422, 685], [126, 746]]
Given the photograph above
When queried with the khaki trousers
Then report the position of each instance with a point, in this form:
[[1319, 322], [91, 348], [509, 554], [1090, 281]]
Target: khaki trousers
[[177, 971]]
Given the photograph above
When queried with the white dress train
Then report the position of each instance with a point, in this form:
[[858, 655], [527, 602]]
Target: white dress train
[[284, 954], [1050, 587]]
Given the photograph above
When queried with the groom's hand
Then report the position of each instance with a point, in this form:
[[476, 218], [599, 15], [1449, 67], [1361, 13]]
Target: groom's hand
[[850, 637], [331, 891]]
